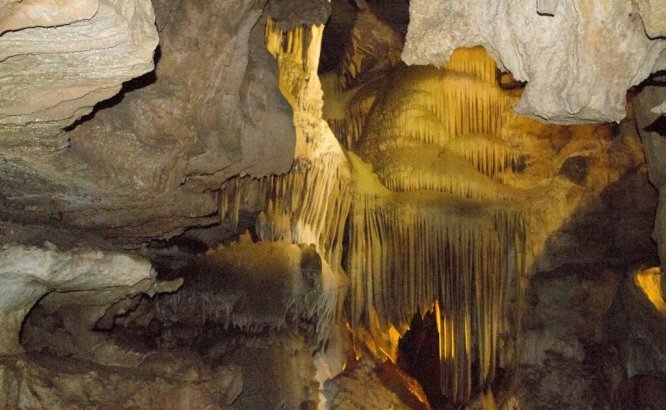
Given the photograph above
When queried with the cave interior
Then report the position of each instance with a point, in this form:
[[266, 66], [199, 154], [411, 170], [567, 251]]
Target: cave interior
[[344, 204]]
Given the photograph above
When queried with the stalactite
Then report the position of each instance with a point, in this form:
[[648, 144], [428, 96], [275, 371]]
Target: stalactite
[[466, 255], [402, 244], [432, 225], [474, 61]]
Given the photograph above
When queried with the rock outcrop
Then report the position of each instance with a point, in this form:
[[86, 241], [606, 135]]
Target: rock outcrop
[[652, 135], [161, 381], [578, 56]]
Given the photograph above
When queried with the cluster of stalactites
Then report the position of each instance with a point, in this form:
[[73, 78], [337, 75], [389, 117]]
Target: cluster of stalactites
[[405, 257], [310, 203], [474, 61], [435, 130], [459, 99], [436, 106], [294, 42], [307, 205]]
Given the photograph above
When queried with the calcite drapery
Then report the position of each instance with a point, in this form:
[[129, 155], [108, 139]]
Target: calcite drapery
[[432, 226]]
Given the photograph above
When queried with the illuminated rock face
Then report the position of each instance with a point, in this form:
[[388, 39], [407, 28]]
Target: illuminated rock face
[[579, 58], [433, 225]]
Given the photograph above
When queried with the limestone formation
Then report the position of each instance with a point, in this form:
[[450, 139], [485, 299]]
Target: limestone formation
[[578, 57], [144, 163]]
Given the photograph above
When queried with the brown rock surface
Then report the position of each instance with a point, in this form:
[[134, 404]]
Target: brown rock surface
[[652, 131], [59, 59]]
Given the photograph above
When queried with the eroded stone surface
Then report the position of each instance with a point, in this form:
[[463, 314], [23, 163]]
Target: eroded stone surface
[[361, 387], [653, 13], [578, 63], [17, 15]]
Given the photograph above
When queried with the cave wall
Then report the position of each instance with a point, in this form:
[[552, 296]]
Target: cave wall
[[174, 135]]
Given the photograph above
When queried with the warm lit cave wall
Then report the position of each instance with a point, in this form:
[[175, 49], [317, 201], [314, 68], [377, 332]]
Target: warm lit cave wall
[[409, 189]]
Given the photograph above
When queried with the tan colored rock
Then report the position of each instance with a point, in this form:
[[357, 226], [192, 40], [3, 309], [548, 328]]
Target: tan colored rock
[[148, 166], [653, 13], [578, 62], [19, 14], [62, 58], [29, 273]]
